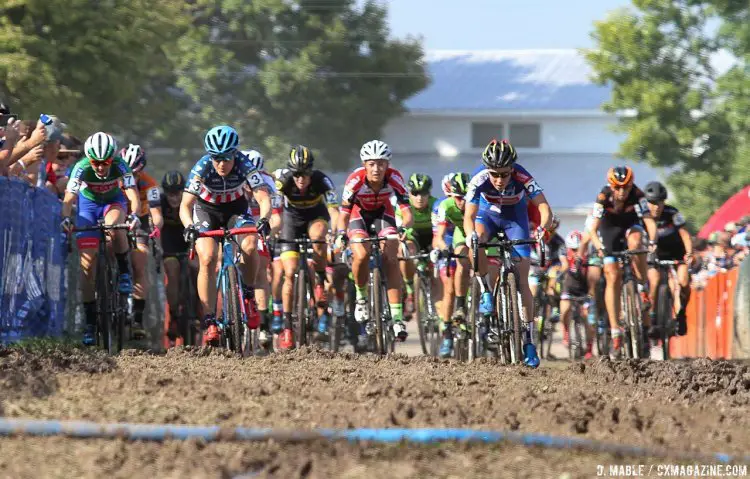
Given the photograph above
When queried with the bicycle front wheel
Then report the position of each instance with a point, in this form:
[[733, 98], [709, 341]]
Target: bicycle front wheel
[[231, 305], [665, 314], [376, 310], [515, 315], [633, 336], [300, 307]]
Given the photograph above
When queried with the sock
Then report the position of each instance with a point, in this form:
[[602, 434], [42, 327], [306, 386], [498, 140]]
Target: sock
[[361, 291], [277, 308], [122, 263], [89, 310], [287, 320], [321, 276], [397, 312], [460, 302], [138, 306], [409, 287]]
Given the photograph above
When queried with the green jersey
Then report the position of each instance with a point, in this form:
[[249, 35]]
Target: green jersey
[[422, 218], [83, 181], [446, 213]]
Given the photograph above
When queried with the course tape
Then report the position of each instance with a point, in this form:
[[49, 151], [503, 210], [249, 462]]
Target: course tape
[[161, 432]]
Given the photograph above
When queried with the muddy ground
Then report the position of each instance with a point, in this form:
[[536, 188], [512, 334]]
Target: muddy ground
[[699, 405]]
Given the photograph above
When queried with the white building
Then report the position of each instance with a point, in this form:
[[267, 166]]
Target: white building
[[542, 101]]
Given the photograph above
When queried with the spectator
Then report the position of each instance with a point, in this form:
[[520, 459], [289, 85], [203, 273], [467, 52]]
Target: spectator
[[57, 170], [9, 136], [32, 166]]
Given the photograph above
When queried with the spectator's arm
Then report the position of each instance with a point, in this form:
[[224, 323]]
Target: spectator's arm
[[27, 144], [29, 160]]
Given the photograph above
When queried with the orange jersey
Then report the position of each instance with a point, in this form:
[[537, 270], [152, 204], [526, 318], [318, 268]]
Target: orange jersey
[[148, 189]]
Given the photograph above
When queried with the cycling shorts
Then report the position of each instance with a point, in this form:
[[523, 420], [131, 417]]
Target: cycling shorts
[[89, 213], [670, 248], [143, 230], [614, 237], [515, 229], [422, 238], [361, 220], [295, 223], [574, 286], [224, 215], [173, 241]]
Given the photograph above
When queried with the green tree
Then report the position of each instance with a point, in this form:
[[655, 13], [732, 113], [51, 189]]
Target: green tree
[[688, 117], [98, 64], [322, 73]]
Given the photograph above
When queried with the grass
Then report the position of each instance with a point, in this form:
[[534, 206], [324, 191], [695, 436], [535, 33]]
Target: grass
[[45, 344]]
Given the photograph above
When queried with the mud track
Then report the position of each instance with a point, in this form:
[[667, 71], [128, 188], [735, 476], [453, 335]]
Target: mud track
[[699, 405]]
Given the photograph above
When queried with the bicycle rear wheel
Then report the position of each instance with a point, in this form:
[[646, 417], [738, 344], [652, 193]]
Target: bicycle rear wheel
[[422, 319], [429, 330], [665, 315]]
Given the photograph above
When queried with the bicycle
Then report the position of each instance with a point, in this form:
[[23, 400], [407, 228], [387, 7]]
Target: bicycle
[[504, 328], [577, 328], [631, 311], [305, 312], [602, 330], [380, 309], [427, 321], [665, 296], [233, 322], [543, 309], [189, 318], [111, 305]]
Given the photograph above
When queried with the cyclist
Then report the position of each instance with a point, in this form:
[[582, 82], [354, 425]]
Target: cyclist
[[448, 222], [216, 199], [98, 182], [419, 236], [277, 276], [497, 201], [674, 243], [150, 216], [258, 306], [574, 285], [309, 202], [593, 274], [618, 212], [556, 264], [365, 203], [173, 244]]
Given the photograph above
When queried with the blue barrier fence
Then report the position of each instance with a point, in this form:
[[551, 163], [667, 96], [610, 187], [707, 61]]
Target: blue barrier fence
[[32, 262]]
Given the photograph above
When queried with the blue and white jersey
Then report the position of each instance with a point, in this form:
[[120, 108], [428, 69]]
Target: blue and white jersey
[[205, 183], [512, 201]]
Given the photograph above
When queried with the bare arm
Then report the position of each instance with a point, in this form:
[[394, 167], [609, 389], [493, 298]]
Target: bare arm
[[263, 197], [594, 237], [650, 228], [469, 218], [134, 199], [67, 204], [545, 212], [156, 217], [186, 209]]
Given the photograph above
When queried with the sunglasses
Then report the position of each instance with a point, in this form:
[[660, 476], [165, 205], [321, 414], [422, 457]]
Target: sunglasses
[[503, 175], [102, 163], [301, 174], [621, 187], [223, 158]]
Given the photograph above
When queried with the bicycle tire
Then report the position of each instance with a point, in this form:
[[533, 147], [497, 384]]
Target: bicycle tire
[[502, 321], [665, 315], [119, 319], [421, 319], [575, 335], [103, 298], [540, 311], [473, 322], [233, 312], [352, 326], [515, 304], [633, 344], [189, 308], [376, 311], [603, 338], [300, 293]]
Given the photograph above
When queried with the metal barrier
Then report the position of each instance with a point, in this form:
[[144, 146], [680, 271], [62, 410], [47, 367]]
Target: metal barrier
[[32, 265]]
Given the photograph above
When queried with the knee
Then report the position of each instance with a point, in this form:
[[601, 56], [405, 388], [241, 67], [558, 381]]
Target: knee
[[207, 260]]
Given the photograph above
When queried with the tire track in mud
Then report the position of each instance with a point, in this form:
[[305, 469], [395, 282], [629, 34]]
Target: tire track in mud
[[685, 405]]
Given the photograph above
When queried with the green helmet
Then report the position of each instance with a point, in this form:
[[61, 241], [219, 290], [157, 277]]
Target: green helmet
[[419, 184], [457, 184]]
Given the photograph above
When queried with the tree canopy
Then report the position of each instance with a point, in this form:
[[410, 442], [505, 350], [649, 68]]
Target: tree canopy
[[660, 58]]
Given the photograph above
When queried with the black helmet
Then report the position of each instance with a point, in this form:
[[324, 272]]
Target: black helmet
[[655, 192], [499, 154], [300, 159], [419, 183], [173, 181], [457, 184]]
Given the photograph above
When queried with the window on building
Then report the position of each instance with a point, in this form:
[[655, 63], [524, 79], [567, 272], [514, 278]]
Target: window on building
[[482, 133], [526, 135]]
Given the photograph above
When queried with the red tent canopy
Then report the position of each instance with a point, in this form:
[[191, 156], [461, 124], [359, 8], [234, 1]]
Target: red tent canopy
[[735, 208]]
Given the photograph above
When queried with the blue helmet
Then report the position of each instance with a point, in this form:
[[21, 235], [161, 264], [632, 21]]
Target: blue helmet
[[221, 140]]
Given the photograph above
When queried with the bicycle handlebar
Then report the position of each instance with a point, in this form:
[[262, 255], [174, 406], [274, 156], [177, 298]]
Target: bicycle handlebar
[[373, 239], [626, 253], [101, 227], [301, 241], [667, 262], [220, 233]]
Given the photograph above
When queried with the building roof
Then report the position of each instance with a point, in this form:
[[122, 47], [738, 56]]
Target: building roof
[[508, 80]]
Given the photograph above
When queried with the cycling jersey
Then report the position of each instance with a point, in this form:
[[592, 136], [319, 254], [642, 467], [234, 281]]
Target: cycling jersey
[[276, 201], [210, 187], [556, 249], [421, 230], [531, 209], [670, 244], [149, 192], [575, 283], [84, 182], [446, 213], [319, 190], [505, 210], [618, 220], [369, 207]]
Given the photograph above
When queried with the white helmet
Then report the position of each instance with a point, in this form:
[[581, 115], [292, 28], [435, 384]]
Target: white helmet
[[446, 184], [375, 150], [256, 159], [100, 147], [573, 240]]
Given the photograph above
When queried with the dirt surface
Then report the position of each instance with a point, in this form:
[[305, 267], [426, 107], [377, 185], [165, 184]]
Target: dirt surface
[[701, 406]]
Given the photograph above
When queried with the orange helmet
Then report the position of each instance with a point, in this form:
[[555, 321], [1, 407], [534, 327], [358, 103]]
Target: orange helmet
[[620, 176]]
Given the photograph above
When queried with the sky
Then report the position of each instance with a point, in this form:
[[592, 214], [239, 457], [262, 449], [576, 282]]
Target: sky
[[498, 24]]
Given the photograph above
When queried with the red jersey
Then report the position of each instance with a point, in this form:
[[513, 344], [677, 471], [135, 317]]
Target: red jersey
[[357, 191]]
